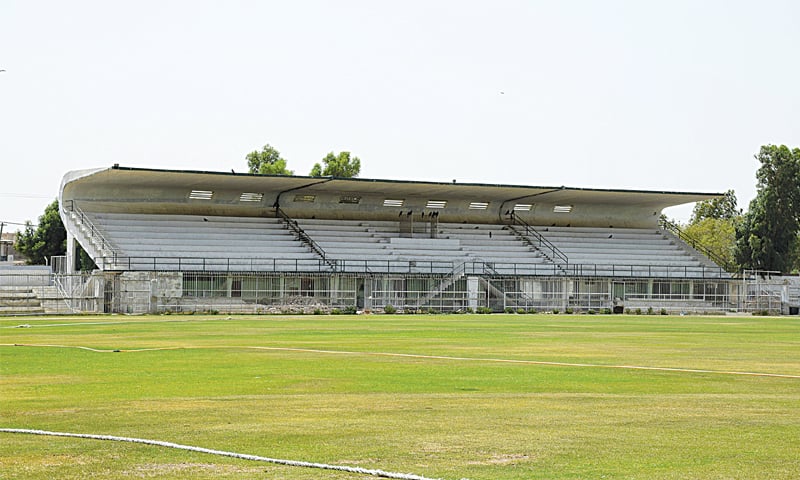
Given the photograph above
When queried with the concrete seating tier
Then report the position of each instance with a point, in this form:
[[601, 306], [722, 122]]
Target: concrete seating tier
[[265, 244], [190, 242]]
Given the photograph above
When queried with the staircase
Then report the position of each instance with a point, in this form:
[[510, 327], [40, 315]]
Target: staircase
[[303, 237], [19, 301], [93, 241], [528, 235]]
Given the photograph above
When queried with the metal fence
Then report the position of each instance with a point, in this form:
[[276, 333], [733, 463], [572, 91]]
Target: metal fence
[[461, 290]]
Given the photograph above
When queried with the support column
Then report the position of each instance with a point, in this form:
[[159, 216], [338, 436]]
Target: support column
[[472, 293], [72, 257]]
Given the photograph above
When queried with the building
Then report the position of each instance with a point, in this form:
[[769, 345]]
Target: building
[[169, 240]]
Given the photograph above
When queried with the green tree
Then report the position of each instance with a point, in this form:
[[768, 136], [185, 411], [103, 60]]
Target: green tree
[[766, 238], [49, 238], [716, 234], [713, 225], [341, 165], [267, 162], [723, 208]]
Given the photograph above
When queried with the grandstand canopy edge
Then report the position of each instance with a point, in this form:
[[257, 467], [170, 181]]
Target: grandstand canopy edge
[[136, 190]]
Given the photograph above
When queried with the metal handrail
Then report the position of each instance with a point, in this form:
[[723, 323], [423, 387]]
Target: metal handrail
[[530, 231], [445, 268], [304, 237], [694, 243], [69, 206]]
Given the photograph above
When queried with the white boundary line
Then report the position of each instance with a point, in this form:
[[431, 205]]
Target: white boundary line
[[243, 456], [419, 356]]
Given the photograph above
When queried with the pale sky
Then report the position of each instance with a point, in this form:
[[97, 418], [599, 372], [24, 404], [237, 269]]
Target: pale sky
[[651, 95]]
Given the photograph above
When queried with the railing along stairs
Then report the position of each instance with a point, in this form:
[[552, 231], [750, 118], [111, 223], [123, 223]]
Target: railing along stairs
[[93, 234], [530, 236], [306, 239], [692, 242]]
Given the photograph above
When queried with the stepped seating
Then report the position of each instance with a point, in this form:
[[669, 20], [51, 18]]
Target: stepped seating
[[192, 242], [146, 241], [623, 250], [379, 246], [19, 301]]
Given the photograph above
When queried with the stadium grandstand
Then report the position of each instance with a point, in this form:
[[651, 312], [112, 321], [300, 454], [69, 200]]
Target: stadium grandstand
[[166, 240]]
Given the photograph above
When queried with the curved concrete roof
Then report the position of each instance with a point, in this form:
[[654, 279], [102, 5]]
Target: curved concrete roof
[[137, 190]]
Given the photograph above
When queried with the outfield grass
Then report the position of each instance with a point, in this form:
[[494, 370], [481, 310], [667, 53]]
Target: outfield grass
[[326, 390]]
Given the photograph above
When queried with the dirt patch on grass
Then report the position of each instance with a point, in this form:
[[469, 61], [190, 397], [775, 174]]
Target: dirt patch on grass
[[501, 459], [150, 470]]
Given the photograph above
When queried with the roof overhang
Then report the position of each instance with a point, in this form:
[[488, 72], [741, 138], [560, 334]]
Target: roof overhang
[[137, 190]]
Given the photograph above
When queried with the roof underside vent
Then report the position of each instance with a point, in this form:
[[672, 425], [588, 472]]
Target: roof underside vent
[[478, 205], [562, 209], [251, 197], [201, 194], [523, 207], [436, 204], [393, 203]]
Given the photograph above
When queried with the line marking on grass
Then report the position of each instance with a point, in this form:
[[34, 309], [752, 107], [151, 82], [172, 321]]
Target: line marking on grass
[[419, 356], [243, 456]]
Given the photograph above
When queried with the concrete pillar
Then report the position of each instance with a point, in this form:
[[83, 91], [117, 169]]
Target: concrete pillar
[[72, 257], [472, 292]]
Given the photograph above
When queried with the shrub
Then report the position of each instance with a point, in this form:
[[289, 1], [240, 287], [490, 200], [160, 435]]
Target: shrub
[[555, 311], [591, 312], [663, 311], [638, 311], [606, 311], [484, 310], [532, 311], [569, 311], [389, 309], [350, 310], [650, 311], [521, 311], [336, 311], [317, 311], [509, 309], [433, 311], [469, 310]]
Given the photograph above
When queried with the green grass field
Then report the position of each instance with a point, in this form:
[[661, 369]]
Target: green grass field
[[453, 396]]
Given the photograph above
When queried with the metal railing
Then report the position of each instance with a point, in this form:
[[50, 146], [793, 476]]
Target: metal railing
[[304, 237], [425, 267], [538, 241], [91, 230], [694, 243]]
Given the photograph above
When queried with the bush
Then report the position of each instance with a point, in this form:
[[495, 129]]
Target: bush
[[569, 311], [663, 311], [469, 310], [555, 311], [591, 312], [317, 311], [350, 310], [521, 311], [509, 310], [433, 311], [484, 310], [532, 311], [336, 311], [606, 311], [650, 311], [638, 311], [389, 309]]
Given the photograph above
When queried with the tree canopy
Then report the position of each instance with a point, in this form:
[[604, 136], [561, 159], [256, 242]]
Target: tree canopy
[[722, 208], [341, 165], [267, 162], [47, 240], [767, 237]]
